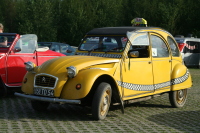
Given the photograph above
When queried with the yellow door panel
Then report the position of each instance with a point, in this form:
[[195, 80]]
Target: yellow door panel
[[162, 72], [137, 76], [161, 59]]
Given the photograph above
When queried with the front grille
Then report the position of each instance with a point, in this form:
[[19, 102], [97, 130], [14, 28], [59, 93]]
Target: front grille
[[45, 81]]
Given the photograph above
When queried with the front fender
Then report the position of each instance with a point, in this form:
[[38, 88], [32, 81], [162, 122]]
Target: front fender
[[28, 86], [86, 79], [181, 78]]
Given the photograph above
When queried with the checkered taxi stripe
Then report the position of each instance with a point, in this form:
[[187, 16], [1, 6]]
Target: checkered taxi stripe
[[101, 55], [138, 87]]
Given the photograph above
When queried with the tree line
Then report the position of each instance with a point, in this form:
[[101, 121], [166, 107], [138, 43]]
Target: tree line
[[69, 20]]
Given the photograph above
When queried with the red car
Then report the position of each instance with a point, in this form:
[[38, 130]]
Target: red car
[[20, 49]]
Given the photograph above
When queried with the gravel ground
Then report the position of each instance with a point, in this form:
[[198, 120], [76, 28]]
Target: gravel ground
[[155, 115]]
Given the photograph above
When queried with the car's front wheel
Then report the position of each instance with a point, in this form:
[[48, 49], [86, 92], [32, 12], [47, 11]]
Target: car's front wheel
[[39, 105], [178, 98], [3, 89], [101, 101]]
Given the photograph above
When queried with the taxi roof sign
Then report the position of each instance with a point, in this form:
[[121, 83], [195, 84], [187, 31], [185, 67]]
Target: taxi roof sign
[[139, 22]]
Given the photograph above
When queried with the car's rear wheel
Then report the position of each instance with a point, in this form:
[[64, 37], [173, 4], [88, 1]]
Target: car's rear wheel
[[178, 98], [101, 101], [39, 105]]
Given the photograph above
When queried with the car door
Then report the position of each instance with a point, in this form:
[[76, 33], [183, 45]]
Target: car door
[[15, 60], [137, 72], [161, 61]]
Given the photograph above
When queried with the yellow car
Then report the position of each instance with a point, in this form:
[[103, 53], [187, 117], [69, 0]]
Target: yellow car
[[112, 65]]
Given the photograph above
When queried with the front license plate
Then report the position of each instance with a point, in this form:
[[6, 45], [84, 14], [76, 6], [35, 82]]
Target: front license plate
[[43, 92]]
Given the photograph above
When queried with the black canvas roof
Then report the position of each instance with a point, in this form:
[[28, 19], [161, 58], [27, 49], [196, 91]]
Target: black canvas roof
[[115, 30]]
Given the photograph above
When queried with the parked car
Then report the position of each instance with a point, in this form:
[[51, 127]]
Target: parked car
[[58, 47], [113, 65], [20, 49], [190, 49]]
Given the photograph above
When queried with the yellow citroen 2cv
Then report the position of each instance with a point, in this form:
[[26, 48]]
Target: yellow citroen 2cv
[[112, 65]]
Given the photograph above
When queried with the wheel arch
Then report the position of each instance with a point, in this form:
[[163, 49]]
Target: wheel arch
[[108, 79]]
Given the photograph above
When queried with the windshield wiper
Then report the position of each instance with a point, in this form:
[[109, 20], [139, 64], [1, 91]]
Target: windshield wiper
[[90, 51], [116, 48]]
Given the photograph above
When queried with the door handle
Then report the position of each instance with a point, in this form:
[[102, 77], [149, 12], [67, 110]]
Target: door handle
[[149, 62], [170, 60]]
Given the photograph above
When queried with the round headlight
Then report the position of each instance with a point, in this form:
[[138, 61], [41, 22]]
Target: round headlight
[[71, 71], [29, 66]]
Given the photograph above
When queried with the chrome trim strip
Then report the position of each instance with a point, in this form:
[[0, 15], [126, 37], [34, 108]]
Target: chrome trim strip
[[30, 55], [146, 93], [48, 99], [138, 94], [11, 86], [49, 56]]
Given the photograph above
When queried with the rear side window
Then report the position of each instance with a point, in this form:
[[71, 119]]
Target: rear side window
[[173, 46], [159, 48], [192, 47]]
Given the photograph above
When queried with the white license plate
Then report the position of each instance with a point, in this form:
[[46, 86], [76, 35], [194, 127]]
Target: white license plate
[[43, 92]]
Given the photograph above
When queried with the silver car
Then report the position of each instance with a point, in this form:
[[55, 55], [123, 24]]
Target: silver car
[[190, 49]]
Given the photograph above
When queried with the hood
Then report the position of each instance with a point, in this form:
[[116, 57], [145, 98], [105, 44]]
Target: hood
[[60, 64]]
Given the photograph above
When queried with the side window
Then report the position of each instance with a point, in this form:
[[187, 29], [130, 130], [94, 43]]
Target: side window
[[64, 48], [141, 44], [159, 48], [24, 47], [191, 47], [55, 47], [173, 46], [19, 45], [31, 46]]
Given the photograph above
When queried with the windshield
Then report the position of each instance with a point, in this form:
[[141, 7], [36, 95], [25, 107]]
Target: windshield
[[103, 43], [27, 43]]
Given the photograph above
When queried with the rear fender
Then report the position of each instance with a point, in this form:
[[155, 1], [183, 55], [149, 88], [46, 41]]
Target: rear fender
[[181, 78]]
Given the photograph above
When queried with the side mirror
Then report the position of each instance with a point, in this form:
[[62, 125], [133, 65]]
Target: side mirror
[[17, 49], [133, 54]]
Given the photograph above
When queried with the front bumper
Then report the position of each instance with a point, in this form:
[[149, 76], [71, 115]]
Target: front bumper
[[48, 99]]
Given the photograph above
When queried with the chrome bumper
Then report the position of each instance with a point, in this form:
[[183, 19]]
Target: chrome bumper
[[48, 99]]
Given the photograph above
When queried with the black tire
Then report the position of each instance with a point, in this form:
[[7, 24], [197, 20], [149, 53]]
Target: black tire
[[3, 89], [101, 101], [178, 98], [39, 105]]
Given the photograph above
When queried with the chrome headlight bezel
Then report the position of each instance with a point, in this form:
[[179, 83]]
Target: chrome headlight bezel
[[71, 71], [29, 66]]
